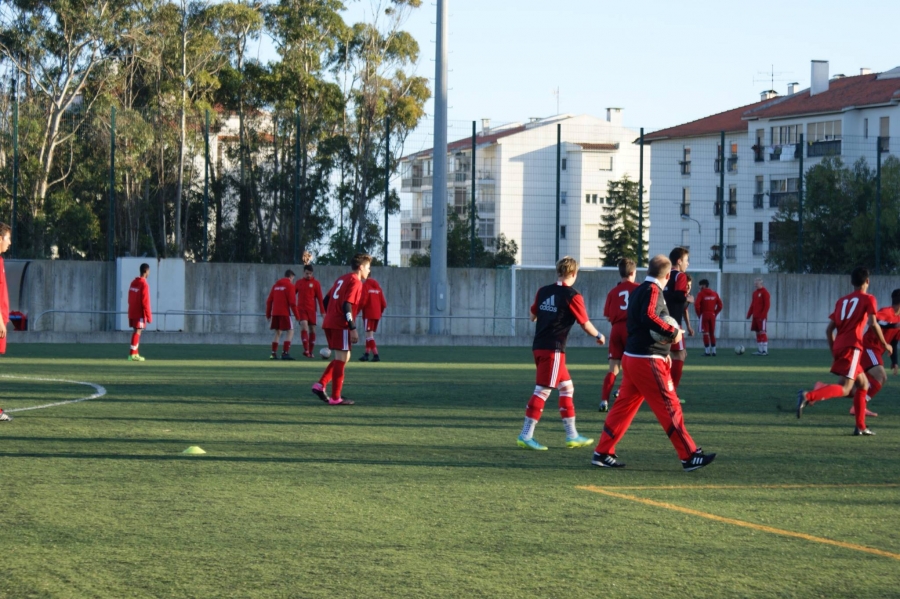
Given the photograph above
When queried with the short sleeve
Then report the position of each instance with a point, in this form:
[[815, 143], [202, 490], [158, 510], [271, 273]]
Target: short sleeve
[[578, 309]]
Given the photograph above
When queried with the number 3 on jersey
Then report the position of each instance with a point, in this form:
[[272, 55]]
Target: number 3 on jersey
[[852, 302], [337, 290], [624, 295]]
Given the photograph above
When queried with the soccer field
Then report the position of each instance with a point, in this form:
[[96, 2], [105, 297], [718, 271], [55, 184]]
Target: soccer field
[[419, 490]]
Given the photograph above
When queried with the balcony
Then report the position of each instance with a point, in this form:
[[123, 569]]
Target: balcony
[[732, 207], [778, 198], [758, 200], [824, 148], [685, 209], [485, 177], [461, 176], [485, 207], [884, 144], [685, 167], [780, 150], [758, 248], [730, 164], [759, 154]]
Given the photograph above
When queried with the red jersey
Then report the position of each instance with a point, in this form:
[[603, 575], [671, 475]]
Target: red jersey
[[616, 308], [373, 302], [139, 300], [309, 293], [707, 302], [4, 293], [759, 305], [850, 315], [281, 300], [347, 288], [890, 328]]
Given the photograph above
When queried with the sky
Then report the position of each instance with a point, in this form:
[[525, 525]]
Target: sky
[[663, 62]]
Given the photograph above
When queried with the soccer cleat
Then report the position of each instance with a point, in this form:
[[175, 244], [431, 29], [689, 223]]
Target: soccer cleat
[[4, 417], [530, 444], [757, 353], [135, 358], [863, 432], [868, 412], [376, 358], [319, 391], [765, 353], [579, 441], [364, 357], [273, 356], [604, 406], [341, 401], [286, 356], [801, 402], [606, 460], [615, 394], [697, 460]]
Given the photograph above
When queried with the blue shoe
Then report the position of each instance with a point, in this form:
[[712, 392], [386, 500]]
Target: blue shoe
[[579, 441], [530, 444]]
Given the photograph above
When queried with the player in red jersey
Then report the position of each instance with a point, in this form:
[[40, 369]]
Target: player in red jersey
[[759, 312], [341, 306], [676, 296], [708, 305], [5, 242], [646, 375], [139, 314], [556, 308], [279, 306], [373, 306], [616, 312], [309, 294], [849, 318], [872, 357]]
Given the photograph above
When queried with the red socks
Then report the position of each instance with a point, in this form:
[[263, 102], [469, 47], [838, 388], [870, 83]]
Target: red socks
[[677, 367], [535, 407], [371, 347], [608, 382], [274, 346], [312, 341], [287, 347], [859, 403], [827, 392], [338, 382], [304, 338], [135, 340], [566, 406], [328, 374], [874, 386]]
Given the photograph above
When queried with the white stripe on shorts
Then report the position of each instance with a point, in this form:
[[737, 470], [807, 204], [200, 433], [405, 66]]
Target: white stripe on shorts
[[554, 376]]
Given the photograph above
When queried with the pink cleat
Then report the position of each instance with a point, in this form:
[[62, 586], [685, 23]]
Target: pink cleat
[[319, 391], [340, 402], [868, 412]]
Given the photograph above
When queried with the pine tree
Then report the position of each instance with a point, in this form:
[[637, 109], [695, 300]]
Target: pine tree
[[619, 234]]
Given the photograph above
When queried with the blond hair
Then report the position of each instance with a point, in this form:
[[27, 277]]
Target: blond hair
[[566, 267], [659, 266]]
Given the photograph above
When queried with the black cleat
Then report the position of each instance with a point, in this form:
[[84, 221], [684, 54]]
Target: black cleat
[[697, 460], [606, 460], [856, 431], [319, 391], [376, 358], [364, 357], [285, 356], [604, 406], [802, 402]]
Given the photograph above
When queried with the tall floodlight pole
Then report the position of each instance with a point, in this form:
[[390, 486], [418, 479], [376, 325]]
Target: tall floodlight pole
[[438, 298]]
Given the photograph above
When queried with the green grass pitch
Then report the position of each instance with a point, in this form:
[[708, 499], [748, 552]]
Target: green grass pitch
[[420, 491]]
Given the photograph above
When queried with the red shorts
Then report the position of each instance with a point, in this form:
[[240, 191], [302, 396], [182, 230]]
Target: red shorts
[[3, 343], [708, 322], [137, 323], [551, 368], [338, 339], [758, 325], [680, 345], [281, 323], [847, 364], [371, 324], [618, 335], [871, 358], [309, 316]]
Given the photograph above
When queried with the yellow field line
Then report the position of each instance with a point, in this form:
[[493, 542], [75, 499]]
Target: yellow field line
[[760, 527], [812, 486]]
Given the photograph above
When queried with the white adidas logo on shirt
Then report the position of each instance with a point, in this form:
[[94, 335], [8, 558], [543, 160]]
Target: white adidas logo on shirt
[[549, 304]]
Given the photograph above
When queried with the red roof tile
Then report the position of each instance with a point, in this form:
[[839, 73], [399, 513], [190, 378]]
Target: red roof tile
[[466, 142], [846, 92], [596, 146], [728, 121]]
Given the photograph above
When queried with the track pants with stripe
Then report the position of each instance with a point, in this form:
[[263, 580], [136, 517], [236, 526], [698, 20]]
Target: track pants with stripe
[[646, 378]]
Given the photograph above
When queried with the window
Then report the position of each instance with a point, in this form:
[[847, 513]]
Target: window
[[884, 132], [783, 189], [759, 193], [732, 200], [865, 128], [599, 233], [587, 198], [823, 131], [757, 231], [562, 231], [562, 165], [786, 134], [562, 197], [686, 201], [734, 149], [606, 163], [686, 161]]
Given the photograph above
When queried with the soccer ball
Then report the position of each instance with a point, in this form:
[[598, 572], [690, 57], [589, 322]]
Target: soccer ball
[[739, 349], [325, 353], [659, 338]]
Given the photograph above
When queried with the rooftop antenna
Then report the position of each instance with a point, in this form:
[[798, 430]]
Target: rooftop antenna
[[555, 92], [772, 76]]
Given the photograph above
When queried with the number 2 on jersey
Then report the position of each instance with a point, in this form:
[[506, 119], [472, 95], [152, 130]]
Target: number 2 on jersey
[[337, 290], [845, 314]]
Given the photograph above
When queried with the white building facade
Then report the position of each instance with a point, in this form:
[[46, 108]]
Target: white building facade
[[515, 185]]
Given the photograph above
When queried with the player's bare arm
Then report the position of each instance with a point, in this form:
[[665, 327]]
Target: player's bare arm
[[591, 330], [687, 323], [873, 323], [829, 334]]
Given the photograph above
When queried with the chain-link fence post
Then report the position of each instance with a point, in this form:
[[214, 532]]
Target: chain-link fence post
[[472, 211], [558, 181], [111, 232], [721, 200], [878, 206], [206, 189], [800, 268], [387, 181], [297, 188], [640, 248], [15, 174]]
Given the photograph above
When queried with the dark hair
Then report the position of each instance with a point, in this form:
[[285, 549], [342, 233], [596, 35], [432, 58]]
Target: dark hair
[[704, 283], [289, 273], [145, 268], [659, 266], [308, 267], [859, 276], [677, 254], [626, 267], [360, 259], [895, 297]]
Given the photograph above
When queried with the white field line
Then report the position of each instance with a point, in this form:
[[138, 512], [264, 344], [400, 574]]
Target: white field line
[[100, 391]]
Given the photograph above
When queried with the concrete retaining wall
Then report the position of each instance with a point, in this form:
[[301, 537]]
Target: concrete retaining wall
[[229, 302]]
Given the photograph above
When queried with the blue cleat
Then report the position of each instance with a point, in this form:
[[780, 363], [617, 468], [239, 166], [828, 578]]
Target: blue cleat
[[530, 444], [579, 441]]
